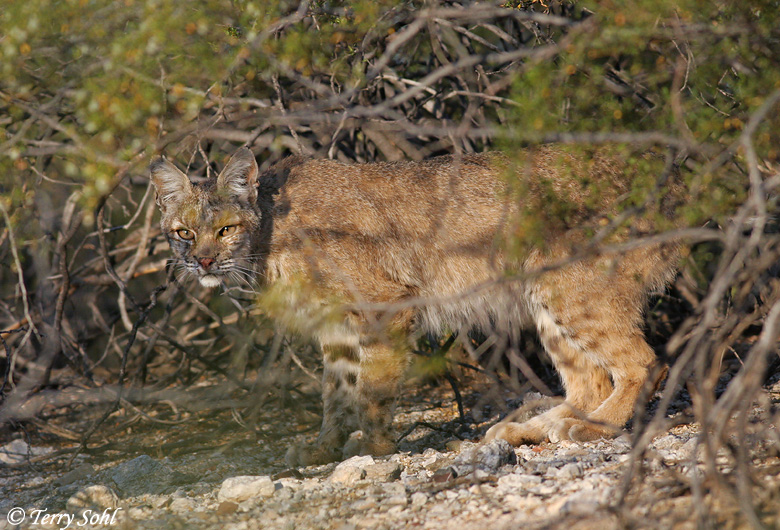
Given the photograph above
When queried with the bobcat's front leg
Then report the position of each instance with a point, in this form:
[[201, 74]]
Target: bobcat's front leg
[[382, 369], [339, 411], [360, 386]]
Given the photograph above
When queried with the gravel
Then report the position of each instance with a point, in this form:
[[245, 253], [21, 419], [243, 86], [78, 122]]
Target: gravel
[[433, 482]]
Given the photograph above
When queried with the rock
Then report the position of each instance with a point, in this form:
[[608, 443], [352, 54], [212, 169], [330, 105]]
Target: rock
[[571, 471], [347, 475], [357, 461], [351, 470], [675, 448], [518, 482], [182, 505], [384, 471], [365, 504], [226, 507], [454, 445], [35, 481], [160, 501], [689, 449], [18, 451], [141, 475], [393, 489], [444, 475], [81, 472], [288, 473], [480, 475], [93, 497], [238, 489], [489, 457], [396, 500], [419, 499], [583, 502]]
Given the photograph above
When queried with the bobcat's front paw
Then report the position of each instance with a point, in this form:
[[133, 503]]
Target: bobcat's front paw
[[311, 455], [358, 446]]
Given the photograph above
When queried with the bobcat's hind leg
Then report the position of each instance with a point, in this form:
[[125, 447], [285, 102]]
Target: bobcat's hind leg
[[339, 418], [587, 386], [629, 361]]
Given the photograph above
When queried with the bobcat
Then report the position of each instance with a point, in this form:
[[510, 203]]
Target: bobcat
[[426, 246]]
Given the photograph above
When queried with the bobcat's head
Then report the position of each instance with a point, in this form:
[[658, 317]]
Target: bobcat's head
[[212, 227]]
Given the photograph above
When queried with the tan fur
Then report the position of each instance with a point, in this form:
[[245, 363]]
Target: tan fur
[[427, 245]]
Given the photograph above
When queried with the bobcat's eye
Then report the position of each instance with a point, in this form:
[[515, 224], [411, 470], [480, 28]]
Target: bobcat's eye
[[187, 235], [227, 230]]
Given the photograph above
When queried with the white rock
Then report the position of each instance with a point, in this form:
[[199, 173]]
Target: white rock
[[384, 471], [397, 500], [393, 489], [290, 483], [18, 451], [364, 504], [357, 461], [521, 502], [35, 481], [93, 497], [689, 448], [672, 447], [583, 502], [517, 481], [182, 505], [238, 489], [571, 471], [347, 475], [419, 499], [351, 470]]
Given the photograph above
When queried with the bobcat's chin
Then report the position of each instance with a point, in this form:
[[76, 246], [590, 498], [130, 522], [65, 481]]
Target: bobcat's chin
[[209, 280]]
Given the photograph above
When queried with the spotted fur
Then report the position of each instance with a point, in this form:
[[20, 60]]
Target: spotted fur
[[423, 245]]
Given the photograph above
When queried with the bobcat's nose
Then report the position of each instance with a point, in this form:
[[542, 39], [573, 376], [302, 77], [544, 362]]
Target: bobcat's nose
[[206, 263]]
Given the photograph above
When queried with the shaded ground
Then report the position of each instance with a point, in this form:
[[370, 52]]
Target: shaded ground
[[173, 476]]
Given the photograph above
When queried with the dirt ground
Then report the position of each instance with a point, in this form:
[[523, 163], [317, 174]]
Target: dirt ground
[[171, 468]]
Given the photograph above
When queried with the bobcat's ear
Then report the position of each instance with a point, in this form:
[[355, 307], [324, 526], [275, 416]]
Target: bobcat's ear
[[170, 184], [239, 178]]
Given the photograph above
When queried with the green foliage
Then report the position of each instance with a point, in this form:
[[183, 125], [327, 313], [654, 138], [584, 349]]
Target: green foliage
[[90, 90], [695, 72]]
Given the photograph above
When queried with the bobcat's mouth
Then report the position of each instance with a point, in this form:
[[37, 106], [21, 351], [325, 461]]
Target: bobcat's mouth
[[209, 280]]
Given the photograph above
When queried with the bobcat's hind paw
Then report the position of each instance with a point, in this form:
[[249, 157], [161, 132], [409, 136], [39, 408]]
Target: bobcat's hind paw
[[579, 430], [517, 433]]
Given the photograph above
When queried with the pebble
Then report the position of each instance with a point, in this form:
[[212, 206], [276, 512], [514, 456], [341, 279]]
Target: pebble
[[571, 471], [81, 472], [238, 489], [471, 487], [182, 504], [419, 499], [141, 475], [518, 482], [93, 497], [384, 471], [489, 457], [351, 470], [18, 451]]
